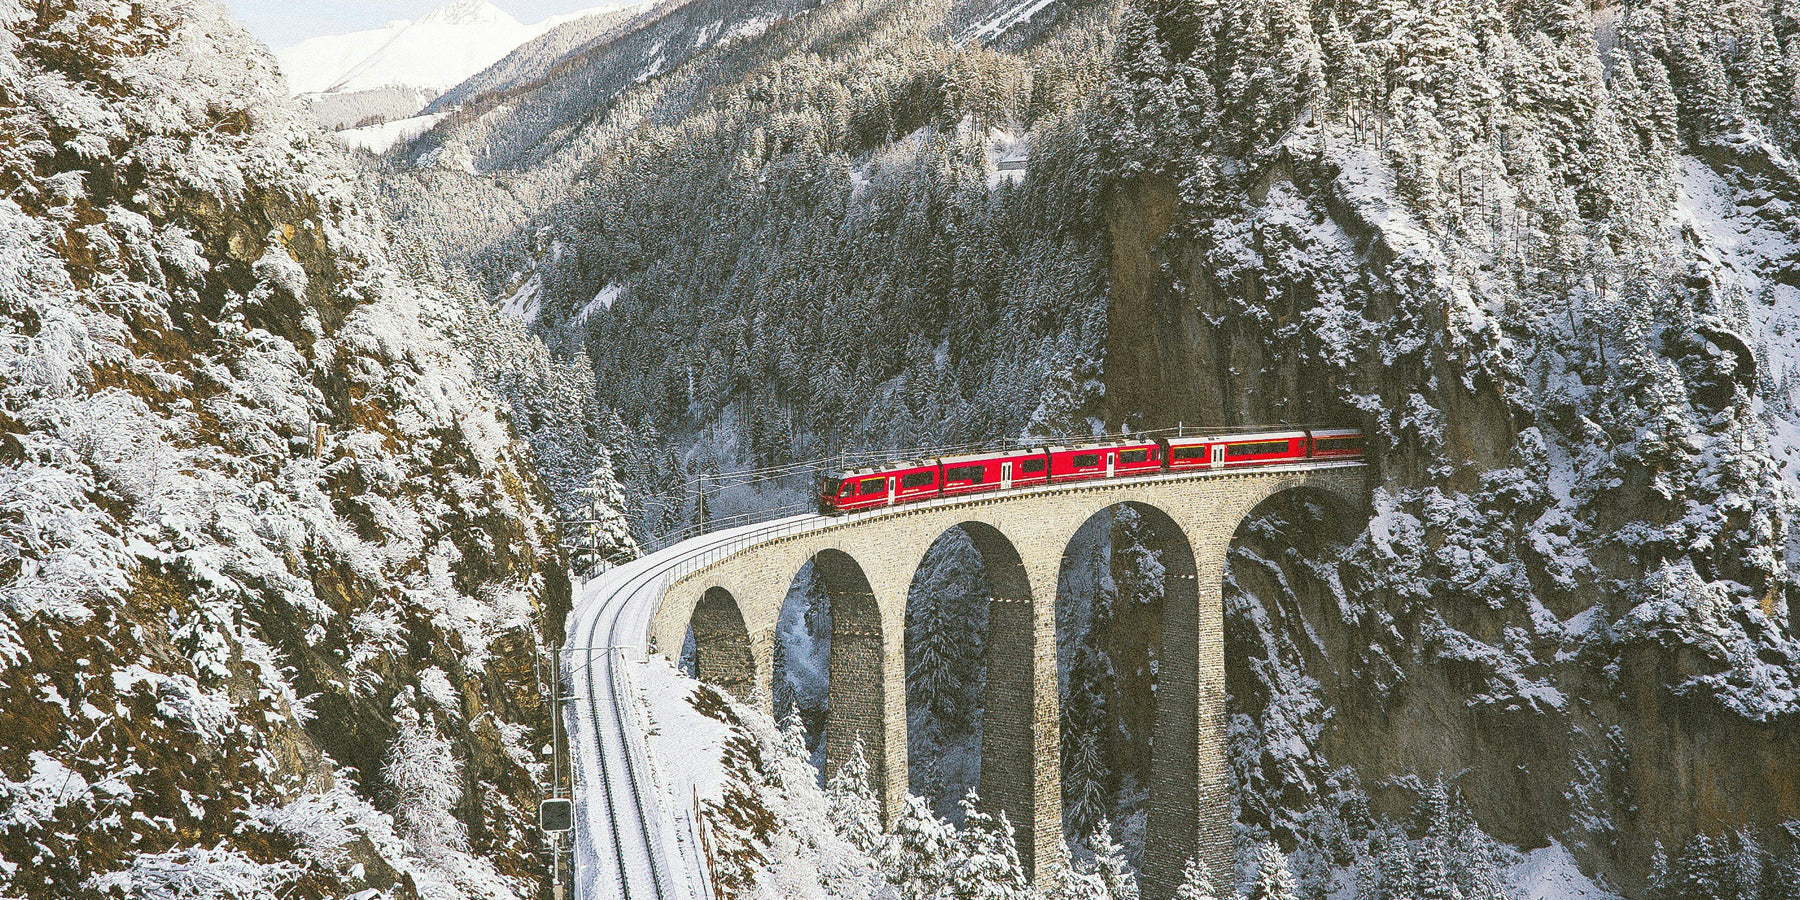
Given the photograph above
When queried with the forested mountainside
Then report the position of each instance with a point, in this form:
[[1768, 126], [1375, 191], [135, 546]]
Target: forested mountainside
[[274, 564], [1545, 252], [790, 220]]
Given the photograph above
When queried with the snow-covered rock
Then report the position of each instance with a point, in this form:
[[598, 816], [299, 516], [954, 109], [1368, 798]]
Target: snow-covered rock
[[272, 560]]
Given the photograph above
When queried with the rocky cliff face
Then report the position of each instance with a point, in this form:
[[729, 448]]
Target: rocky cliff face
[[273, 563], [1545, 256]]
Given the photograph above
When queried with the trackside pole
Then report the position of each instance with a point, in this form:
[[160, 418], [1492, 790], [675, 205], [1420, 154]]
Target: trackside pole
[[556, 883], [555, 813]]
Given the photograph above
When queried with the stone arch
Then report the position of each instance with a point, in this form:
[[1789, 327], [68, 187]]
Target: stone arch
[[1006, 729], [1299, 621], [800, 651], [722, 652], [858, 707], [1140, 633]]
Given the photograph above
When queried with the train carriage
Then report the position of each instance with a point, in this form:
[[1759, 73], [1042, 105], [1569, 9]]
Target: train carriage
[[1334, 443], [1106, 460], [976, 472], [868, 488], [1263, 449], [1186, 454]]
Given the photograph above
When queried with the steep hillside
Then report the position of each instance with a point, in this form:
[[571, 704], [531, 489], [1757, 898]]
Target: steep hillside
[[1548, 255], [843, 159], [274, 564]]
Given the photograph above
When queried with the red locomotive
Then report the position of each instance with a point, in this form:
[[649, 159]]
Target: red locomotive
[[954, 476]]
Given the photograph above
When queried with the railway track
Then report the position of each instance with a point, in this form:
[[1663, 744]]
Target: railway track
[[624, 852]]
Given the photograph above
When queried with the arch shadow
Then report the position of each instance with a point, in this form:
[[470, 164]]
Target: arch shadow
[[722, 654], [1129, 706], [969, 625]]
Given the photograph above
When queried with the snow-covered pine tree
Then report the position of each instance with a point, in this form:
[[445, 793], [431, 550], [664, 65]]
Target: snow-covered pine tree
[[1196, 881], [988, 857], [1746, 867], [603, 536], [793, 736], [1109, 864], [1436, 869], [1701, 871], [1273, 881], [852, 810], [944, 650], [1087, 789], [920, 855], [1474, 856], [1657, 884]]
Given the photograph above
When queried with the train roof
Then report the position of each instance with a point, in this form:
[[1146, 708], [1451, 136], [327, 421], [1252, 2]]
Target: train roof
[[884, 468], [1188, 440], [1102, 444], [991, 454]]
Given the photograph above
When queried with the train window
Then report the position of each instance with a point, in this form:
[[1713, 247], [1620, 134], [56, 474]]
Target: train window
[[849, 488], [1256, 448], [970, 474], [1134, 456], [1337, 445], [1083, 460], [829, 487], [1032, 466], [918, 479], [873, 486], [1177, 454]]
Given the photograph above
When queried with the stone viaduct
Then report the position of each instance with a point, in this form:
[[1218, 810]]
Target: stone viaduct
[[867, 563]]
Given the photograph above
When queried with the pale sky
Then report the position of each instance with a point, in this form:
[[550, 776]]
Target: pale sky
[[283, 23]]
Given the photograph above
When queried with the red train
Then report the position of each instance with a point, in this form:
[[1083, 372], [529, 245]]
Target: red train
[[953, 476]]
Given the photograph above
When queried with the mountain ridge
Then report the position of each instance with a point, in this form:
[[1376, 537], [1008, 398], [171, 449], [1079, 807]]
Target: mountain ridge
[[392, 72]]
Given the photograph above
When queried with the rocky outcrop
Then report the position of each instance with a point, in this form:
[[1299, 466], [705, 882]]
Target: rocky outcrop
[[274, 565], [1507, 620]]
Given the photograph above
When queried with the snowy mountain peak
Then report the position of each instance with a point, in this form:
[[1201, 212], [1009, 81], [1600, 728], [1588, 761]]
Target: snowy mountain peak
[[389, 73], [469, 12]]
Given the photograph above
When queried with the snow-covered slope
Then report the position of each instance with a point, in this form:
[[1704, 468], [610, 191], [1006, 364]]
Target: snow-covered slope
[[422, 58], [271, 562], [315, 65]]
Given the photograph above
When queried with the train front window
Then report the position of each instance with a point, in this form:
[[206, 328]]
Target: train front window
[[1084, 460], [1134, 456], [873, 486], [830, 487], [917, 479]]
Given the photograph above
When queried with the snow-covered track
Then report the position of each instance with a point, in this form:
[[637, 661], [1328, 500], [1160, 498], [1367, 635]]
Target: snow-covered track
[[623, 824]]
